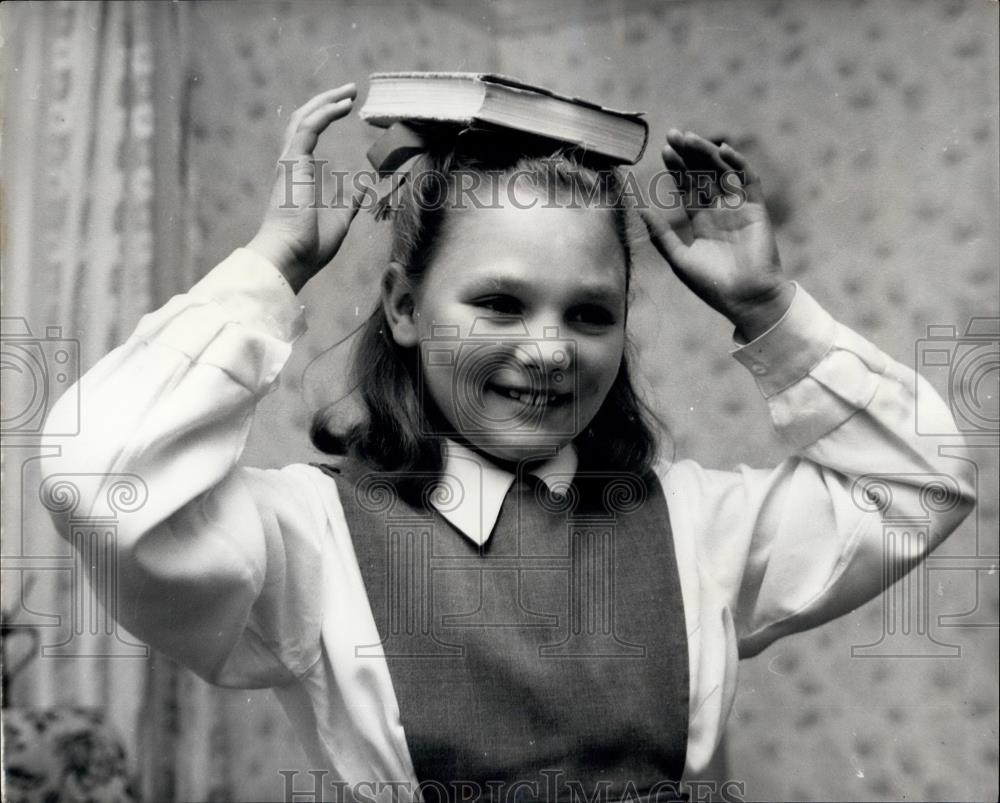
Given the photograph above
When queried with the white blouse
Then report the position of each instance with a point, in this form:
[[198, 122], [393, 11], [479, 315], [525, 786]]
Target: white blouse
[[249, 576]]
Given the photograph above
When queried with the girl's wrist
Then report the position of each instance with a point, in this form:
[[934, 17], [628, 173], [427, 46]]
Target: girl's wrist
[[282, 258], [753, 318]]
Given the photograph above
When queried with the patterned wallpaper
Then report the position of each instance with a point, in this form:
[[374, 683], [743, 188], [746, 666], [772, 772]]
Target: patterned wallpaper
[[874, 125]]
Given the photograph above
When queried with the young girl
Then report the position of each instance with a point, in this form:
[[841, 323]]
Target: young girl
[[503, 591]]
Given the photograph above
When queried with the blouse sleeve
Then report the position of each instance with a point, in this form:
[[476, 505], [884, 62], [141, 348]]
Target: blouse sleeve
[[797, 545], [217, 565]]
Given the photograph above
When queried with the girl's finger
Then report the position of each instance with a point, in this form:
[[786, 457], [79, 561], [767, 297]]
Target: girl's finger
[[323, 116], [303, 140], [738, 162], [704, 169], [749, 180], [675, 138], [675, 167], [347, 91], [333, 228], [704, 153], [663, 236], [322, 99], [672, 160]]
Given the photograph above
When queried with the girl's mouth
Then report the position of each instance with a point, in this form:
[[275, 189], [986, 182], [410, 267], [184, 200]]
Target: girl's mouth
[[530, 397]]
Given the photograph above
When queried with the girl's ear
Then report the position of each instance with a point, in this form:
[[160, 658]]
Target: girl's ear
[[398, 304]]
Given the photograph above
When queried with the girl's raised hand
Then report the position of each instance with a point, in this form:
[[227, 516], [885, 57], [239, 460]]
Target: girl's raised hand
[[726, 253], [302, 230]]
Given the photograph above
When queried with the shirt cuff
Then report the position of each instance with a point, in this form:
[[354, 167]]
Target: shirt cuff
[[255, 293], [789, 350]]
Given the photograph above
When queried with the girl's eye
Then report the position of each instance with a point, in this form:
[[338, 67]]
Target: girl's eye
[[501, 305], [591, 314]]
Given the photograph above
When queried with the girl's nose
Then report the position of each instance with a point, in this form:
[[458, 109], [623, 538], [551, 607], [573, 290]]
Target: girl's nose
[[548, 353]]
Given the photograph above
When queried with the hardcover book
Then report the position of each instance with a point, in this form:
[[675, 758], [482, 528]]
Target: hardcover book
[[488, 100]]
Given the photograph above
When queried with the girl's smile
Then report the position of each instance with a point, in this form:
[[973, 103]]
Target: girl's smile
[[520, 322], [530, 397]]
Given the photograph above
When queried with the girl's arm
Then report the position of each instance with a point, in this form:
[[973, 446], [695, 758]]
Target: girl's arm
[[218, 566], [797, 545]]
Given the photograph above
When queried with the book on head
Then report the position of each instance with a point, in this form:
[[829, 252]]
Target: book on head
[[496, 101]]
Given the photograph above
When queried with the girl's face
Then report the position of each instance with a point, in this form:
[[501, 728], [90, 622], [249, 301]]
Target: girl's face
[[520, 322]]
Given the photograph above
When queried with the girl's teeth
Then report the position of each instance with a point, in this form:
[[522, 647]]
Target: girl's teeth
[[529, 398]]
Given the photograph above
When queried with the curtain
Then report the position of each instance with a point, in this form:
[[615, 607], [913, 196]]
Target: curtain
[[95, 234]]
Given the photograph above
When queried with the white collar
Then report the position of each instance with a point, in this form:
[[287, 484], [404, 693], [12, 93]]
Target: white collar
[[476, 487]]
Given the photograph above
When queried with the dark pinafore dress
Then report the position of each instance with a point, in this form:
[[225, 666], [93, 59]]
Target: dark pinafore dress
[[548, 664]]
